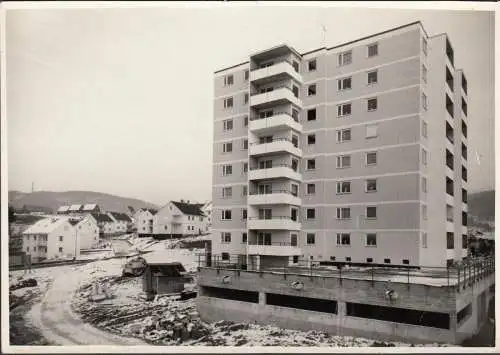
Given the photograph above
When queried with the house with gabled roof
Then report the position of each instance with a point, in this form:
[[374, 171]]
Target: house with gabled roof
[[105, 223], [90, 208], [50, 238], [179, 218], [86, 231], [121, 222], [63, 209], [144, 220]]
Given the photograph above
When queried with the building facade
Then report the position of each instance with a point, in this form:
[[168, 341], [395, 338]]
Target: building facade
[[354, 153], [179, 219], [50, 238]]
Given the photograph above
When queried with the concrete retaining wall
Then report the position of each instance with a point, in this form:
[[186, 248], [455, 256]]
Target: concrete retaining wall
[[213, 309]]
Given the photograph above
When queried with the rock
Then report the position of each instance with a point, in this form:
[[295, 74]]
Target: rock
[[241, 342], [236, 327]]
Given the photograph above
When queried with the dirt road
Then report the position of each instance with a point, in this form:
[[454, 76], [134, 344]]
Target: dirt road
[[57, 322]]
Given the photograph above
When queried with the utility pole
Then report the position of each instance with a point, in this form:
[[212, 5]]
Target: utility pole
[[32, 187]]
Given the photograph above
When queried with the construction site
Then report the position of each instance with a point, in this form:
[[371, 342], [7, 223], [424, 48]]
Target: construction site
[[434, 305]]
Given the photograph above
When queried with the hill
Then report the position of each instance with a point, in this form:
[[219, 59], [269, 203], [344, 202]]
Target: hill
[[482, 205], [53, 200]]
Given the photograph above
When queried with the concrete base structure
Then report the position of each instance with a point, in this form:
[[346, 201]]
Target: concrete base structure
[[419, 313]]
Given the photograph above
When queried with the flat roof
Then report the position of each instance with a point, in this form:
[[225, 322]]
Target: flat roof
[[334, 47]]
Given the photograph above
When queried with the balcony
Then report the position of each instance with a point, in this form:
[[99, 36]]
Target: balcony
[[274, 223], [278, 197], [278, 122], [276, 172], [274, 72], [279, 95], [277, 145], [274, 249]]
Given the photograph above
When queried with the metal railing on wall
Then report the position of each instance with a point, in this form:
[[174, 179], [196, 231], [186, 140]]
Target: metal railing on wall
[[460, 276]]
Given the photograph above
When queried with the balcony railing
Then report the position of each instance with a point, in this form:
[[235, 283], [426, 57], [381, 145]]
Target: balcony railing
[[274, 89], [276, 63], [273, 166], [281, 244], [273, 192], [275, 114], [273, 218]]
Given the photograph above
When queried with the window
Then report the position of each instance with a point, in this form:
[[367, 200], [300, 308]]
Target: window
[[245, 190], [343, 239], [344, 135], [450, 240], [311, 65], [371, 158], [424, 157], [311, 139], [372, 77], [424, 185], [343, 110], [245, 144], [373, 50], [371, 239], [266, 114], [424, 101], [295, 66], [295, 115], [227, 170], [311, 114], [295, 140], [34, 248], [424, 129], [226, 215], [424, 46], [245, 121], [229, 80], [27, 248], [227, 147], [343, 187], [424, 73], [311, 90], [371, 185], [295, 90], [225, 256], [371, 212], [244, 214], [310, 238], [295, 190], [247, 74], [245, 168], [387, 261], [343, 161], [344, 84], [61, 238], [227, 125], [228, 102], [345, 58], [372, 104], [369, 260], [348, 259], [310, 213], [244, 237], [343, 213], [424, 211], [245, 98], [60, 249], [424, 240], [332, 258], [311, 189], [464, 241], [311, 164]]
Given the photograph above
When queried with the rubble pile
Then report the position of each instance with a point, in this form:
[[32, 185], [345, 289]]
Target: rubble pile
[[23, 284], [170, 321]]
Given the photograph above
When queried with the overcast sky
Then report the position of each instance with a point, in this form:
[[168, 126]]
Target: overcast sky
[[121, 100]]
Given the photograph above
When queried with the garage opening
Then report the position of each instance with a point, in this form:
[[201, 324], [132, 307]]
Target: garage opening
[[230, 294], [399, 315], [305, 303]]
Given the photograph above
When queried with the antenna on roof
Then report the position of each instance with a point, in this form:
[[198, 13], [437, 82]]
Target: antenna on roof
[[323, 40]]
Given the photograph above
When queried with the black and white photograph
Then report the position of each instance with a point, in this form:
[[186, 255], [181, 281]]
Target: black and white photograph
[[248, 176]]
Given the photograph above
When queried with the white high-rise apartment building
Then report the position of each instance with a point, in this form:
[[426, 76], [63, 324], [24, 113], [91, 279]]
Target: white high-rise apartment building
[[354, 153]]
